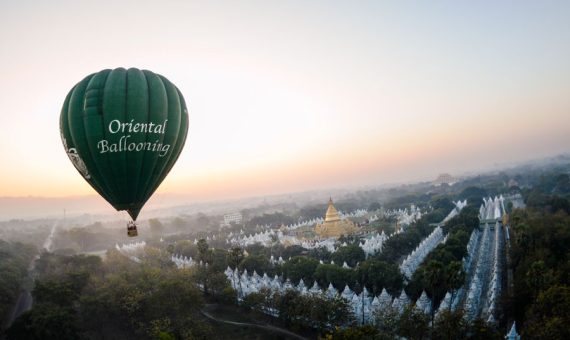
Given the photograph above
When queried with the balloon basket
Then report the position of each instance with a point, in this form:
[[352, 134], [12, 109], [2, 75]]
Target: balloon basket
[[132, 229]]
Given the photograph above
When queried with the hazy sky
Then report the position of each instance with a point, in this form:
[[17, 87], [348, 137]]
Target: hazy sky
[[293, 95]]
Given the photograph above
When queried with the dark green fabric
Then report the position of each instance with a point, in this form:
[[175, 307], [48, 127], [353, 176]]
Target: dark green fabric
[[123, 130]]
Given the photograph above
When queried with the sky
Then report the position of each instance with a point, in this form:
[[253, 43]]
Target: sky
[[296, 95]]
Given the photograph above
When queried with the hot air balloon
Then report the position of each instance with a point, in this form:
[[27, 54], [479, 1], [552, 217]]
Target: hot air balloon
[[123, 130]]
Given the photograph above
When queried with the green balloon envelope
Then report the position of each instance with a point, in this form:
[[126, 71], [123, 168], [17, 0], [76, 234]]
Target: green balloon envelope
[[123, 130]]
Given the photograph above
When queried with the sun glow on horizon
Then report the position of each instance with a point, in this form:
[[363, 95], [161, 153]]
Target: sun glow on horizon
[[297, 96]]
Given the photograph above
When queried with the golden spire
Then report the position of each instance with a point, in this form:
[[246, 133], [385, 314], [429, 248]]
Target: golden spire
[[331, 214]]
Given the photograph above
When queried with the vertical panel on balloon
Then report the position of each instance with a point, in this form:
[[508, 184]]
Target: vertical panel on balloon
[[114, 107], [95, 133], [170, 137], [137, 113], [158, 108], [78, 149]]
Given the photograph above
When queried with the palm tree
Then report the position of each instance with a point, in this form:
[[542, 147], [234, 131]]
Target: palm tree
[[433, 279], [454, 277], [235, 256]]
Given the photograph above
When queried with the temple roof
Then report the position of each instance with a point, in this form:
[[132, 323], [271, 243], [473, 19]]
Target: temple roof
[[331, 214], [333, 226]]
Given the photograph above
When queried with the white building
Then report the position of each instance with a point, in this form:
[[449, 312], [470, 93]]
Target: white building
[[231, 218]]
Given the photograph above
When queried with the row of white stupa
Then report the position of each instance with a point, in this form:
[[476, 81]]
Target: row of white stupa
[[133, 247], [312, 221], [369, 245], [494, 289], [417, 256], [405, 217], [363, 305], [492, 208], [298, 225], [208, 238], [374, 244], [487, 275], [267, 237], [186, 261], [468, 262], [131, 250], [482, 265], [459, 205]]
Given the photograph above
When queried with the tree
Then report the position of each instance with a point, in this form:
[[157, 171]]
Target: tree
[[45, 322], [537, 278], [374, 206], [15, 258], [203, 254], [323, 313], [473, 195], [443, 203], [179, 224], [235, 256], [454, 279], [255, 301], [291, 251], [434, 276], [300, 267], [57, 293], [387, 322], [185, 248], [203, 220], [219, 260], [413, 324], [156, 257], [376, 274], [548, 317], [287, 304], [351, 254], [358, 333], [320, 253], [156, 227], [338, 276], [315, 311], [259, 263], [143, 302], [559, 203], [450, 325], [479, 329]]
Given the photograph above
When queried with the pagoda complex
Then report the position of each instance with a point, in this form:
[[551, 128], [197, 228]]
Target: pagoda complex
[[334, 226]]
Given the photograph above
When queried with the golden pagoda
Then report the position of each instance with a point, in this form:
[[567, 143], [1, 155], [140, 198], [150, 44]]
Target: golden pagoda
[[333, 226]]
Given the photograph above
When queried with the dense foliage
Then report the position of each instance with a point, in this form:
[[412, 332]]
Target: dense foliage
[[297, 310], [442, 270], [14, 261], [84, 297], [540, 238]]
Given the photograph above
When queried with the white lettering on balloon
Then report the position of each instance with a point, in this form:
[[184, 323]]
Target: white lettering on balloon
[[127, 129]]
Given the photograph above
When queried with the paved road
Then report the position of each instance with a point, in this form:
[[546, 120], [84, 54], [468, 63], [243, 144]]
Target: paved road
[[266, 327], [24, 302]]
